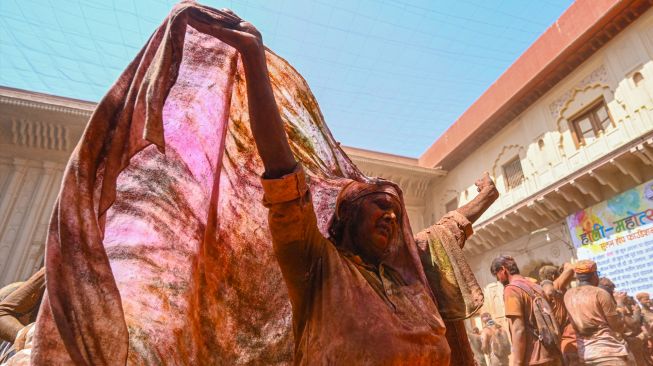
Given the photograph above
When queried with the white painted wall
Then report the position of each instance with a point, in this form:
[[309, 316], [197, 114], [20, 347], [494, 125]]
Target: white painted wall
[[608, 74]]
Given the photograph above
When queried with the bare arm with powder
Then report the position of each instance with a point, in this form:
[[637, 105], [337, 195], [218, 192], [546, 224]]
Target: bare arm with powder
[[565, 277], [515, 312], [518, 336], [487, 194]]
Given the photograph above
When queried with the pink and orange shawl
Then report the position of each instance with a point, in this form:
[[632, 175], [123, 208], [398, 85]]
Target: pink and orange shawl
[[158, 250]]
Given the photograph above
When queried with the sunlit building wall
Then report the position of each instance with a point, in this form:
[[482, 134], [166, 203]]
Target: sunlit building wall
[[583, 139]]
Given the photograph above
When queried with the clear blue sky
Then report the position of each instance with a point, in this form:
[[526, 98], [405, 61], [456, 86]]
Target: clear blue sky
[[390, 76]]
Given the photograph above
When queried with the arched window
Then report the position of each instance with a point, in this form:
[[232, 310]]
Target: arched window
[[513, 173], [591, 123]]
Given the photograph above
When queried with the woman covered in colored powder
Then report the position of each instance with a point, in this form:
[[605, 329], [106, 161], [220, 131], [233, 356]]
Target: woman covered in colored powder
[[155, 253], [365, 295]]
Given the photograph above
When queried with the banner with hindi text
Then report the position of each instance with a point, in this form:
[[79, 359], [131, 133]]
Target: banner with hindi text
[[618, 235]]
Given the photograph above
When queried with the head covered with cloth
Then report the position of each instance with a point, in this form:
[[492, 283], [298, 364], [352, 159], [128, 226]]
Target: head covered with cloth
[[370, 221], [586, 271]]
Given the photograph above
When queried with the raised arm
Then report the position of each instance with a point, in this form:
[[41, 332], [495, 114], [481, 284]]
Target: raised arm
[[267, 126], [565, 277], [296, 239], [487, 194]]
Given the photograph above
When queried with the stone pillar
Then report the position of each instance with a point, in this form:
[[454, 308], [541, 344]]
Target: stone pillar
[[27, 193]]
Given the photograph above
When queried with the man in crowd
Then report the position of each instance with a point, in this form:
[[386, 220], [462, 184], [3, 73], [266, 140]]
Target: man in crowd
[[475, 342], [633, 332], [18, 308], [647, 308], [593, 313], [526, 347], [607, 284], [490, 345], [554, 282], [494, 342], [501, 345], [647, 322]]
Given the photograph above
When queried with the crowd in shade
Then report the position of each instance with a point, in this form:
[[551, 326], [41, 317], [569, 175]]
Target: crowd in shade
[[569, 316]]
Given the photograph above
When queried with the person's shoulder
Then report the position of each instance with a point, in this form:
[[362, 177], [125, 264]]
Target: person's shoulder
[[571, 292], [601, 293], [512, 291]]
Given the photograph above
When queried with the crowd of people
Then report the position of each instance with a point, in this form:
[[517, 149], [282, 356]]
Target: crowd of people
[[492, 342], [553, 321], [591, 323]]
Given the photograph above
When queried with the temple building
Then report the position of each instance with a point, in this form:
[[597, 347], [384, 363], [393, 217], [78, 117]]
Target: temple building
[[566, 128]]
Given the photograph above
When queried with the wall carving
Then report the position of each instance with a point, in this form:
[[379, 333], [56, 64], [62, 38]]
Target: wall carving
[[39, 135], [641, 85], [596, 77], [498, 161], [571, 97]]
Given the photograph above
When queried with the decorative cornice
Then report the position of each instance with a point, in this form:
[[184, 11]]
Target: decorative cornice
[[47, 102], [425, 173], [597, 77], [45, 106]]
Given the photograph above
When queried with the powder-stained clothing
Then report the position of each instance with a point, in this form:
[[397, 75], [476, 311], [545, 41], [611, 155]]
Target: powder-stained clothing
[[594, 316], [500, 348], [519, 305], [344, 310], [475, 343], [560, 314], [557, 303]]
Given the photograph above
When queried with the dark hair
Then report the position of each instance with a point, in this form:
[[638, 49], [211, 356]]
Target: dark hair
[[548, 273], [606, 282], [349, 216], [504, 261], [586, 277]]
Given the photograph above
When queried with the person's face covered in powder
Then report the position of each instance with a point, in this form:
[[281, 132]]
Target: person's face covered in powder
[[377, 227], [368, 221]]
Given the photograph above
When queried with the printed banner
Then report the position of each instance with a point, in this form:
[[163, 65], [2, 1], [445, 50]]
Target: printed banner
[[618, 235]]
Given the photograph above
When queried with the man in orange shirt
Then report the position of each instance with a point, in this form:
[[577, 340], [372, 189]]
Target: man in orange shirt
[[526, 347]]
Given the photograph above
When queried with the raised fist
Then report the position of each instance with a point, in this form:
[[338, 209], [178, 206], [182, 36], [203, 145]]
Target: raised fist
[[486, 185]]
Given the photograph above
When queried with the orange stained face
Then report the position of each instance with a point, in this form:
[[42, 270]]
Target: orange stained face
[[378, 227]]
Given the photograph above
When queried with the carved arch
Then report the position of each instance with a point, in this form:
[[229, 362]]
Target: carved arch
[[521, 151], [562, 115]]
